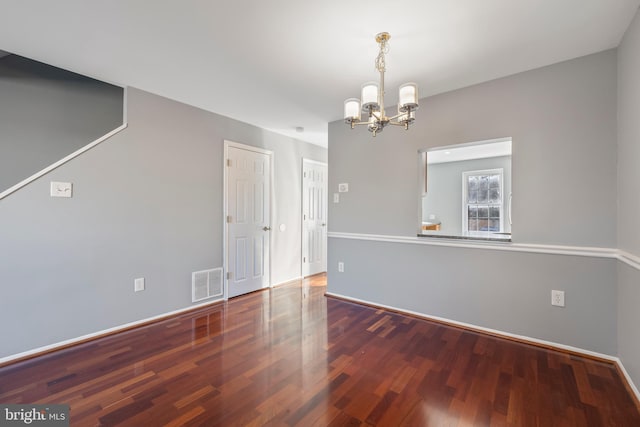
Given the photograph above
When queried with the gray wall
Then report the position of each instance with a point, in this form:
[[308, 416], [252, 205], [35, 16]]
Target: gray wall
[[562, 119], [507, 291], [47, 113], [147, 203], [629, 139], [444, 191], [629, 197]]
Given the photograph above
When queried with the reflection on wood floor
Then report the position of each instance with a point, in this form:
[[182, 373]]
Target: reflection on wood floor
[[290, 356]]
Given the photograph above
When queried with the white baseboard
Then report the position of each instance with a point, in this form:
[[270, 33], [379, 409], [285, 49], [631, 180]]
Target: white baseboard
[[490, 331], [499, 333], [115, 329], [287, 281], [628, 378]]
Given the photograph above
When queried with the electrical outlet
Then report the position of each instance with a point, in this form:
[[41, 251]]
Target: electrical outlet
[[138, 284], [341, 267], [557, 298]]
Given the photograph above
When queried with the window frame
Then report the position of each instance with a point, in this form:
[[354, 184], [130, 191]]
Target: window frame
[[465, 202]]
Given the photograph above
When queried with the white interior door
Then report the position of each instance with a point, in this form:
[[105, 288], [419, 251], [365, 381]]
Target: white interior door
[[248, 220], [314, 217]]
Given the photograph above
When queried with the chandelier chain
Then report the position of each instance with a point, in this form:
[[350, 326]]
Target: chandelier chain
[[380, 62]]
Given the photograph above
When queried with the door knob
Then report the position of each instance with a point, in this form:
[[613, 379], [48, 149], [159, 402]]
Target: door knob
[[265, 228], [324, 225]]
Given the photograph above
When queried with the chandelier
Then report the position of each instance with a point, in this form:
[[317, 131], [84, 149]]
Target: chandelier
[[373, 99]]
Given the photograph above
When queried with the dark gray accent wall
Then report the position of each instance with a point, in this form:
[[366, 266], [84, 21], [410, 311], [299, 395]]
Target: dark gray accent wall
[[148, 202], [629, 196], [47, 113], [562, 119], [444, 192]]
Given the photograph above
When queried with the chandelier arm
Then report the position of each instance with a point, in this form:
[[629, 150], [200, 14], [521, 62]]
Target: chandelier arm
[[397, 115], [405, 125], [407, 114], [378, 116]]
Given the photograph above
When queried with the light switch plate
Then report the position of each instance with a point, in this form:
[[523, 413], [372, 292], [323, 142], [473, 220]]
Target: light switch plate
[[336, 198], [138, 284], [343, 188], [61, 189]]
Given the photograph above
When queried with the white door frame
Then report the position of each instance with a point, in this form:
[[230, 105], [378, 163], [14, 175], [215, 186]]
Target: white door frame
[[313, 162], [225, 201]]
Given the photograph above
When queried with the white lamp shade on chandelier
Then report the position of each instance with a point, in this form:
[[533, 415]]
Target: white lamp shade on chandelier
[[408, 97], [371, 101], [352, 109], [370, 96]]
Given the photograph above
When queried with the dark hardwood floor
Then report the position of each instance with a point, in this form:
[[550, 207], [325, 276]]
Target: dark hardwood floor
[[290, 356]]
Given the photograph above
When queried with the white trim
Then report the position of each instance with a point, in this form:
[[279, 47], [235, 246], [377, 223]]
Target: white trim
[[314, 162], [76, 153], [125, 104], [225, 178], [60, 162], [629, 259], [485, 244], [109, 331], [499, 333], [129, 325], [593, 252], [476, 327], [225, 262], [422, 178], [628, 378], [241, 146], [468, 144]]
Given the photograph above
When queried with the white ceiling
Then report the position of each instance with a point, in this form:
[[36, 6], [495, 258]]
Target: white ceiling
[[279, 64]]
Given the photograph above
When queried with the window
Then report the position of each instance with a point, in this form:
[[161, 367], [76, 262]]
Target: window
[[482, 203]]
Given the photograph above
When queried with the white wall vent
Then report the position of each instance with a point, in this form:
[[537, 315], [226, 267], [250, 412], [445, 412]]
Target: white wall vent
[[206, 284]]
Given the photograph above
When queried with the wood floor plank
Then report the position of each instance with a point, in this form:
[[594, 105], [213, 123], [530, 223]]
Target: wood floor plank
[[290, 356]]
